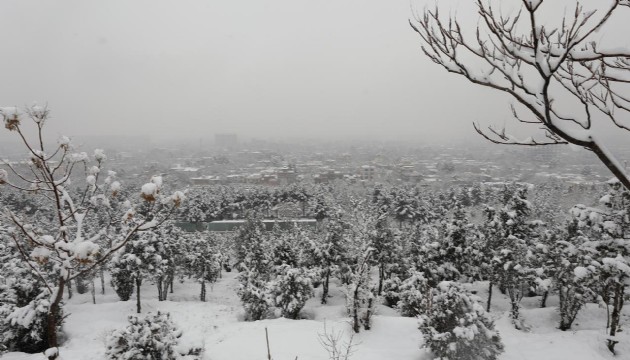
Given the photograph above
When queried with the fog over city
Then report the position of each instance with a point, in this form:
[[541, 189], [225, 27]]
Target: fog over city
[[266, 69], [314, 179]]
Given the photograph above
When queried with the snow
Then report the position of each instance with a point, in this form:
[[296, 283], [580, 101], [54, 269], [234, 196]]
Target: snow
[[99, 155], [115, 186], [580, 272], [215, 325], [157, 180], [40, 253], [9, 111], [149, 189], [90, 180], [78, 157], [64, 141], [86, 250]]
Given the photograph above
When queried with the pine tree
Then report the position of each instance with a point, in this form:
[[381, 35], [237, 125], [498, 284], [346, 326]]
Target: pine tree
[[290, 290], [513, 255], [331, 251], [455, 326], [153, 337]]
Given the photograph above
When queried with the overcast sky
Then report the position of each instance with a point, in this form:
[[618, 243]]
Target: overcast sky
[[263, 68]]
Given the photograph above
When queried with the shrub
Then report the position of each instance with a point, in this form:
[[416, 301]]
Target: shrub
[[290, 290], [254, 295], [413, 293], [391, 291], [456, 326], [123, 280], [25, 328], [153, 337]]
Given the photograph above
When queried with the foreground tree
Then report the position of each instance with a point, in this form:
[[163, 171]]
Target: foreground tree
[[541, 63], [54, 244], [455, 325]]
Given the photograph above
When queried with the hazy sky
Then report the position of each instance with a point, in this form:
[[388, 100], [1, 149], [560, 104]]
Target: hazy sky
[[191, 68]]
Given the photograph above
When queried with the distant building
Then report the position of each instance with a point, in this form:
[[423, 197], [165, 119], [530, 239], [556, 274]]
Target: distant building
[[326, 176], [229, 141], [409, 173], [287, 174], [366, 172], [234, 225], [206, 180]]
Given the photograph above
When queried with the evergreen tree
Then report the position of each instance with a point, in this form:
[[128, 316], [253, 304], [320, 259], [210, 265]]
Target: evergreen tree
[[455, 326], [290, 290]]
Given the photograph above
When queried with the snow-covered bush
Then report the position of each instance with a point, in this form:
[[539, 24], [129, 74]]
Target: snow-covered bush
[[456, 326], [25, 328], [414, 294], [254, 295], [123, 280], [513, 262], [566, 267], [290, 290], [153, 337], [23, 307], [391, 291]]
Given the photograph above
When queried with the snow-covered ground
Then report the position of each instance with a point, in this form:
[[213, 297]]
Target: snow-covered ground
[[215, 325]]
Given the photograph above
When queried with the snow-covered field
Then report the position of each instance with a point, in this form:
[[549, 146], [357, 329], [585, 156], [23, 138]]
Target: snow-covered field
[[216, 326]]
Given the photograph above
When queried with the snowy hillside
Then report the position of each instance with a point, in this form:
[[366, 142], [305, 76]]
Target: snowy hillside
[[215, 326]]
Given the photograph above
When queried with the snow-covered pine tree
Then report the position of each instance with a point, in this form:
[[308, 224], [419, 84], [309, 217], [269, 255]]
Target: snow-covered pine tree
[[201, 260], [564, 265], [122, 278], [455, 326], [153, 337], [168, 244], [290, 290], [360, 294], [23, 309], [248, 238], [255, 273], [141, 257], [331, 251], [608, 230], [414, 293], [382, 241], [513, 255]]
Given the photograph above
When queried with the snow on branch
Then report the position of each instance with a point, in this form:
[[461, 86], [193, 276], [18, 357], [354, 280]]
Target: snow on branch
[[538, 62]]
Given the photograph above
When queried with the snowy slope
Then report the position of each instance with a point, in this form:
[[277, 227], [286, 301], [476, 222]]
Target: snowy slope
[[215, 325]]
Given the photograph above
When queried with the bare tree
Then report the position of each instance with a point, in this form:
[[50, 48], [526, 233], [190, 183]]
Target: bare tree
[[55, 244], [539, 57]]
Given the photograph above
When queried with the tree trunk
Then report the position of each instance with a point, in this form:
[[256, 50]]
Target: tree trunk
[[325, 287], [202, 296], [368, 315], [543, 300], [381, 276], [138, 283], [355, 310], [93, 290], [562, 306], [616, 314], [159, 288], [102, 271], [172, 281], [489, 296], [69, 289], [51, 318]]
